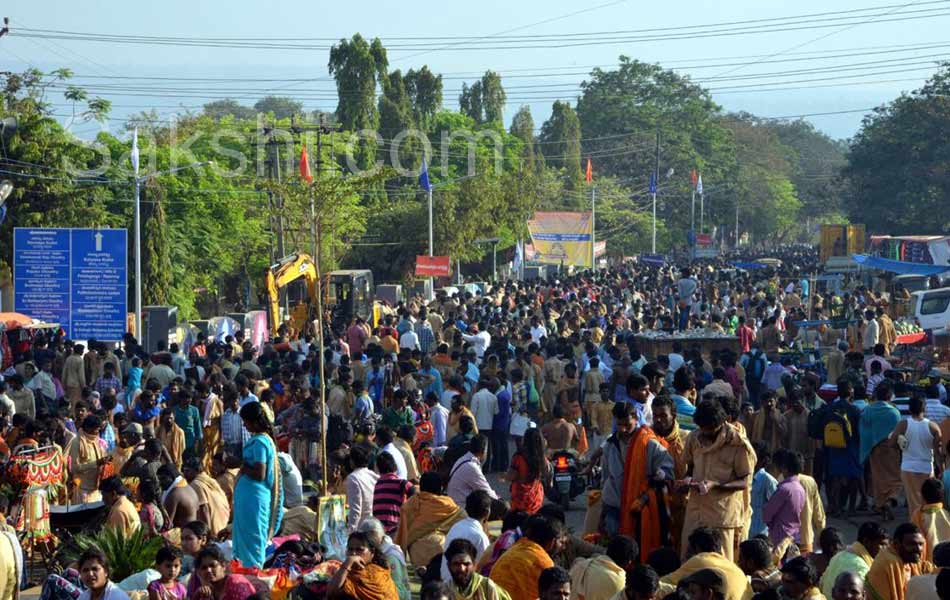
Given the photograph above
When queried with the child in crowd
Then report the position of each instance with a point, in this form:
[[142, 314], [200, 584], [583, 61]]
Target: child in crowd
[[167, 587]]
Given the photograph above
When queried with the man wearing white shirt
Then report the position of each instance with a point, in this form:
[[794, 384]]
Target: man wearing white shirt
[[676, 357], [409, 340], [360, 485], [384, 438], [439, 417], [485, 407], [538, 330], [479, 339], [471, 528]]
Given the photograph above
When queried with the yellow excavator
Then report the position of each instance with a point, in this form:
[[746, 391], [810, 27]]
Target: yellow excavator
[[346, 293], [281, 274]]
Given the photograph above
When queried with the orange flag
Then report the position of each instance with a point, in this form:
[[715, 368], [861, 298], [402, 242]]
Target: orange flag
[[305, 166], [590, 174]]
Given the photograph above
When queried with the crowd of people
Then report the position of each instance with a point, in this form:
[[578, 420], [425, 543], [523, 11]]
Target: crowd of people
[[710, 473]]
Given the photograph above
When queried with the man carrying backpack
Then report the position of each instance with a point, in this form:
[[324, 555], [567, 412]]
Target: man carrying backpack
[[754, 364], [842, 449]]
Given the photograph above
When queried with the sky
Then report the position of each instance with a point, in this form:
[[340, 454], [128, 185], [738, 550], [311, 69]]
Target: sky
[[864, 55]]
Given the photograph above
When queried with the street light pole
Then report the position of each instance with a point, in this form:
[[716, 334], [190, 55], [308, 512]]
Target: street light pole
[[431, 241]]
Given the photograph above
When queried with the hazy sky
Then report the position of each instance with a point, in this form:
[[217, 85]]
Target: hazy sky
[[844, 62]]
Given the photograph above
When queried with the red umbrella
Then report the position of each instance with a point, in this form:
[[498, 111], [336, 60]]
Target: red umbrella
[[14, 320]]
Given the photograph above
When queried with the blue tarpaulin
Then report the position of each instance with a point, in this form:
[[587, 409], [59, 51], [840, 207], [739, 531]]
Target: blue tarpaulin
[[898, 266], [748, 266]]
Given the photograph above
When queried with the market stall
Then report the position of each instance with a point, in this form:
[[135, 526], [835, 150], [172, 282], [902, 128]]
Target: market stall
[[656, 343]]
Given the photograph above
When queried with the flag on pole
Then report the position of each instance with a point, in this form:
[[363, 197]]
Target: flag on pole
[[424, 177], [692, 178], [519, 256], [305, 166], [590, 173], [699, 185], [135, 151], [653, 182]]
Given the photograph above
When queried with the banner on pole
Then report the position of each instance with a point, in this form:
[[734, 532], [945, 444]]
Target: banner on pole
[[561, 238], [432, 266]]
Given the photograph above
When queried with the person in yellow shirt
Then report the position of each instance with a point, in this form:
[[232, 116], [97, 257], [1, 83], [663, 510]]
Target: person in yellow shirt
[[896, 563], [123, 518], [932, 517], [603, 575], [705, 551], [517, 570]]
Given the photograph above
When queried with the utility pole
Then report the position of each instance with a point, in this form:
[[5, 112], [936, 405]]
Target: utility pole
[[737, 221], [655, 182], [593, 227], [6, 26]]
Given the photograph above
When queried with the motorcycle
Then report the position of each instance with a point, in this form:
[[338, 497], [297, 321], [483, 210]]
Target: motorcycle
[[566, 482]]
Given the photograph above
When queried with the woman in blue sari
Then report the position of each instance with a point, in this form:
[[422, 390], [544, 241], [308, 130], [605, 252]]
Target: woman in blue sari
[[258, 496]]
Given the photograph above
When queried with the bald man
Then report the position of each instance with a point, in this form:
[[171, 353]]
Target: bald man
[[848, 586]]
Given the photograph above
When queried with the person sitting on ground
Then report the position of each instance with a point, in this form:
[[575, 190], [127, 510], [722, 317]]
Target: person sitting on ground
[[554, 583], [518, 569], [897, 562], [179, 499], [213, 506], [856, 558], [465, 583], [755, 560], [425, 519], [393, 553], [642, 583], [214, 582], [365, 573], [923, 587], [799, 579], [472, 527], [94, 575], [705, 551], [602, 576]]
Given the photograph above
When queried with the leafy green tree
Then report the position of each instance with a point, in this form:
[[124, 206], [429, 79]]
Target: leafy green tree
[[522, 127], [425, 94], [897, 163], [219, 109], [281, 107], [395, 117], [358, 66], [484, 100], [560, 142]]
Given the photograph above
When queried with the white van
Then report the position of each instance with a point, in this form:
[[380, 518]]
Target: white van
[[932, 308]]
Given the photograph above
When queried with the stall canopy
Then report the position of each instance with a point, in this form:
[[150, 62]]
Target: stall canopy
[[898, 266]]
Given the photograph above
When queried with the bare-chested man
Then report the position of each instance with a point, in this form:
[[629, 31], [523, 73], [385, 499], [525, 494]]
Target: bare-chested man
[[559, 433], [180, 500]]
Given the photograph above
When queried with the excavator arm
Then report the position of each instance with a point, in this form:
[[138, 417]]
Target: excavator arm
[[281, 274]]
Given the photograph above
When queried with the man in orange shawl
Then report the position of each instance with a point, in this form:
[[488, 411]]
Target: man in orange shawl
[[213, 506], [425, 519], [643, 513], [932, 517], [171, 436], [518, 569], [896, 563]]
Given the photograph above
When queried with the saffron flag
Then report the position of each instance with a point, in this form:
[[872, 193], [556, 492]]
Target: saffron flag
[[590, 173], [305, 166], [692, 178]]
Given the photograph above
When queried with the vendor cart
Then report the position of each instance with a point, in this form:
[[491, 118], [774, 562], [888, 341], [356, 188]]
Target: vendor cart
[[653, 345]]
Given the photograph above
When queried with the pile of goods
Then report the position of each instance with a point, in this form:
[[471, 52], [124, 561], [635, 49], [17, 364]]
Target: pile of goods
[[907, 326]]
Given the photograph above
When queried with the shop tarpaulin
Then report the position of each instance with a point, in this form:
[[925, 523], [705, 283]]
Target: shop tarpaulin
[[898, 266], [561, 238]]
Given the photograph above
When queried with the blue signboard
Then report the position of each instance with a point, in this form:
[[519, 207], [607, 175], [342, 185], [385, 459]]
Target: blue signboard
[[74, 277], [656, 260]]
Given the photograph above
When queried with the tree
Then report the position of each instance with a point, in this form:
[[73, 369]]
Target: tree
[[357, 66], [425, 94], [395, 117], [560, 141], [283, 108], [522, 127], [898, 163], [227, 107], [156, 253], [484, 101]]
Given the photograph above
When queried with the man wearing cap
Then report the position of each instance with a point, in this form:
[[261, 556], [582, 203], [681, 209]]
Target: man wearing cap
[[130, 441]]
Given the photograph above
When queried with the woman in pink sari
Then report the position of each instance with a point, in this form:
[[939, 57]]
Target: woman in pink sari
[[216, 583]]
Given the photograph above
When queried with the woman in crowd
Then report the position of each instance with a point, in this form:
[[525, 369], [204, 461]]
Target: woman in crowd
[[364, 575], [215, 582], [528, 467], [94, 575], [258, 498]]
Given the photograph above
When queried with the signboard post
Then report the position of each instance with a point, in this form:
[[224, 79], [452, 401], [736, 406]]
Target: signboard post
[[74, 277]]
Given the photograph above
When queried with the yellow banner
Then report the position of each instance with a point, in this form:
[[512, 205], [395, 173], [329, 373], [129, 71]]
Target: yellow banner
[[561, 238]]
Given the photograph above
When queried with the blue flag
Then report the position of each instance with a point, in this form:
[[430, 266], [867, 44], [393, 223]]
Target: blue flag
[[424, 177], [653, 182]]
